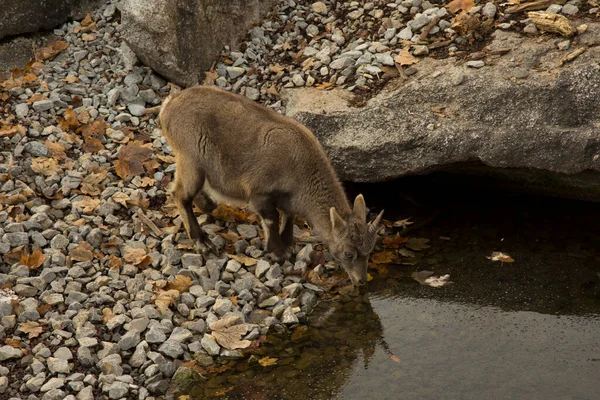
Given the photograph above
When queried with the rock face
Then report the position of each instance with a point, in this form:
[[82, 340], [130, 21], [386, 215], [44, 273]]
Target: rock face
[[180, 39], [522, 112], [25, 16]]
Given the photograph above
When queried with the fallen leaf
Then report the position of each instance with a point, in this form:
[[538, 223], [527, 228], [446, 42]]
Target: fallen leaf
[[32, 328], [324, 85], [393, 242], [230, 337], [121, 198], [9, 131], [247, 261], [181, 283], [91, 184], [417, 244], [96, 128], [33, 260], [369, 277], [69, 120], [45, 166], [87, 204], [165, 298], [383, 257], [131, 157], [56, 150], [92, 145], [406, 253], [395, 358], [71, 79], [36, 97], [464, 5], [46, 53], [229, 214], [502, 257], [276, 68], [84, 117], [267, 361], [135, 255], [405, 58], [87, 21], [82, 252], [273, 90], [403, 223], [107, 315], [88, 37], [425, 278], [16, 343]]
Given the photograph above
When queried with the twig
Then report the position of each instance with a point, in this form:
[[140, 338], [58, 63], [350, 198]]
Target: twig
[[428, 28], [155, 229], [571, 56]]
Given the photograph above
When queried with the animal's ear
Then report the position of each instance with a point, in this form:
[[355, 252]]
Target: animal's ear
[[337, 222], [375, 223], [360, 208]]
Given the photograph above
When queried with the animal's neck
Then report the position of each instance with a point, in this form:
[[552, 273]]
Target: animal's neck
[[318, 214]]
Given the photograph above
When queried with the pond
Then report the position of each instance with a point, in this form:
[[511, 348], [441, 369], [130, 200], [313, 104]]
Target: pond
[[526, 329]]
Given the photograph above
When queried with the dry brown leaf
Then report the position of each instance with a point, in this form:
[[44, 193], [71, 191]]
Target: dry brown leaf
[[395, 358], [92, 145], [134, 255], [273, 90], [87, 204], [71, 79], [46, 53], [455, 5], [324, 85], [107, 315], [267, 361], [229, 214], [57, 150], [393, 242], [247, 261], [181, 283], [131, 157], [33, 260], [87, 21], [84, 117], [82, 252], [87, 37], [44, 165], [164, 298], [32, 328], [383, 257], [16, 343], [96, 128], [9, 131], [121, 198], [405, 58], [276, 68], [36, 97], [69, 120], [230, 336]]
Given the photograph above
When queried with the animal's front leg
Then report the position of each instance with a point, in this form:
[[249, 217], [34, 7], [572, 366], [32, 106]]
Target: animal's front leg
[[270, 222]]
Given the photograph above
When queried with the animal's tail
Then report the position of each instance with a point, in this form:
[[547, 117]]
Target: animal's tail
[[159, 108]]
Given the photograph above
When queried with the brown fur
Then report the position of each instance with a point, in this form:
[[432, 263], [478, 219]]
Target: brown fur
[[231, 149]]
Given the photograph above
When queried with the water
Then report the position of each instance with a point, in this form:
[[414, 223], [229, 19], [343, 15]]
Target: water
[[527, 330]]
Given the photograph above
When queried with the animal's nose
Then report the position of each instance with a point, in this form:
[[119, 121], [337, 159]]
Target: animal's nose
[[361, 282]]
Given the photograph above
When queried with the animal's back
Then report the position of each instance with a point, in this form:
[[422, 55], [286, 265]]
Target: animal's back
[[243, 147]]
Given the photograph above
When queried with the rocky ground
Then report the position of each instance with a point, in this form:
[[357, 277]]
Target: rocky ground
[[101, 294]]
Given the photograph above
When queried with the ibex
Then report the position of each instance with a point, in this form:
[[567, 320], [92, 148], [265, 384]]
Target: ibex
[[229, 149]]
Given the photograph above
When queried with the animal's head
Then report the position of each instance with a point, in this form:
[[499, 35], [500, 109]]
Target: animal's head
[[353, 239]]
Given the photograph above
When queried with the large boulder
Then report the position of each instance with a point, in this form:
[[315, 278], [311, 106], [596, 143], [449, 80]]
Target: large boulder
[[26, 16], [531, 118], [180, 39]]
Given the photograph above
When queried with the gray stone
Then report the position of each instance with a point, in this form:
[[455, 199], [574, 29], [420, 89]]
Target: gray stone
[[58, 366], [171, 348], [43, 105], [475, 64], [261, 268], [320, 7], [252, 93], [155, 335], [35, 384], [222, 306], [21, 110], [86, 393], [570, 9], [181, 53], [3, 384], [405, 34], [180, 335], [7, 352], [247, 231], [289, 317], [118, 390], [16, 239], [53, 383], [489, 10], [129, 340], [342, 63], [210, 345]]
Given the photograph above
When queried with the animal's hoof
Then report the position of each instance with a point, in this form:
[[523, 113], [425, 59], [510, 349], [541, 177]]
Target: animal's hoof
[[205, 247], [279, 257]]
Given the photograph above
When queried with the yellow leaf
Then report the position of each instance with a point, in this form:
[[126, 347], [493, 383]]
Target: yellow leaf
[[369, 277], [46, 53], [87, 20], [247, 261], [164, 298], [87, 204], [83, 252], [395, 358], [135, 256], [267, 361], [88, 37], [383, 257], [44, 166], [56, 150]]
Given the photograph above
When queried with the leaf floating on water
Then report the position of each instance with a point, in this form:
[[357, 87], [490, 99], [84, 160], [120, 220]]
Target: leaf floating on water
[[267, 361], [403, 223], [383, 257], [230, 338], [393, 242], [502, 257], [395, 358], [425, 278], [417, 244]]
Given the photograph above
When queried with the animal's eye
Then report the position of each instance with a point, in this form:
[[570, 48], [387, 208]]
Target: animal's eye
[[348, 254]]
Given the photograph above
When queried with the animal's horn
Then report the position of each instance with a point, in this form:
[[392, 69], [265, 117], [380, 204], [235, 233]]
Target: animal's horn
[[373, 225]]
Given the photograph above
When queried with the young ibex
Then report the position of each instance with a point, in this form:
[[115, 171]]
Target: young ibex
[[232, 150]]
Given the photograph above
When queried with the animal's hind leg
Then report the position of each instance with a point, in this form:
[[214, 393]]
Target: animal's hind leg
[[269, 215], [188, 182], [204, 203]]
